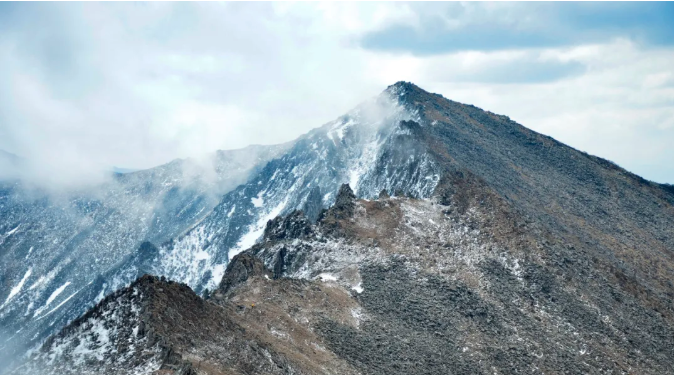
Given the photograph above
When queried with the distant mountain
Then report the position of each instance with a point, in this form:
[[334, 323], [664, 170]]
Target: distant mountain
[[56, 248], [123, 170], [501, 251]]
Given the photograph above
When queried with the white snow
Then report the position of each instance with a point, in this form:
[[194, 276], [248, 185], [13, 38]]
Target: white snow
[[17, 288], [12, 231], [51, 298], [100, 295], [258, 201], [200, 254], [255, 230], [6, 235], [364, 163], [339, 128], [59, 305], [231, 212], [358, 288], [188, 259], [357, 314], [217, 272], [43, 280], [327, 277]]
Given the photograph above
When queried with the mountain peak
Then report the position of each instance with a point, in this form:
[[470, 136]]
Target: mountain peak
[[414, 97], [403, 88]]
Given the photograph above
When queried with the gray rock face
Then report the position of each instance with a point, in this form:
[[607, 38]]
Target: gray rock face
[[442, 290], [239, 270]]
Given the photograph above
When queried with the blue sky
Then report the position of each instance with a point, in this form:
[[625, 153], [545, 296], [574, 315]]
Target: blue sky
[[90, 85], [450, 27]]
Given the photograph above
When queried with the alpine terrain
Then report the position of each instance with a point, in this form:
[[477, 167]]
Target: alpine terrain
[[412, 235]]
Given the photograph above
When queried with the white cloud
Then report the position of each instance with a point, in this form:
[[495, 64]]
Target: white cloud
[[87, 86]]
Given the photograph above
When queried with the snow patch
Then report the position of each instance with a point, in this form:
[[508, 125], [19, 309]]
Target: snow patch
[[17, 288], [327, 277], [12, 231], [59, 305], [258, 201], [364, 163], [255, 230], [217, 272], [43, 280], [201, 255], [340, 128], [51, 298]]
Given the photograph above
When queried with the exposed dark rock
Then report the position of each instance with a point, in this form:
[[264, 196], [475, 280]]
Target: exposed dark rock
[[314, 204], [295, 225], [344, 203], [242, 267]]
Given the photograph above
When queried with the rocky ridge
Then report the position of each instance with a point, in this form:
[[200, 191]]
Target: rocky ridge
[[401, 284]]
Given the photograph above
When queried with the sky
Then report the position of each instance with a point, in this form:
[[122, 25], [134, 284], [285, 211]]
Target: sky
[[88, 86]]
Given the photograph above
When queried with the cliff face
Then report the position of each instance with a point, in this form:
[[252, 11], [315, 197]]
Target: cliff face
[[464, 244]]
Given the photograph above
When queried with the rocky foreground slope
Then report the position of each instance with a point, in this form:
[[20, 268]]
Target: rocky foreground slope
[[448, 285]]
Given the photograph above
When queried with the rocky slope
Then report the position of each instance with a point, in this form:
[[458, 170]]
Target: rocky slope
[[510, 252], [374, 287]]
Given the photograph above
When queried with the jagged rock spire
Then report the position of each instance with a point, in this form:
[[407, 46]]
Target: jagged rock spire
[[241, 268]]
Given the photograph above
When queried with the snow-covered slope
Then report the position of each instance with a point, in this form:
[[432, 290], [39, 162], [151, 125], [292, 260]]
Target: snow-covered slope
[[57, 248], [372, 148], [72, 250]]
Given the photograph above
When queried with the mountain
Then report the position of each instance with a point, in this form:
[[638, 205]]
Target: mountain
[[502, 250], [57, 247], [381, 286]]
